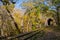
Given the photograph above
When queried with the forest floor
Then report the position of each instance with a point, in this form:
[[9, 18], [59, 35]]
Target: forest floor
[[48, 34]]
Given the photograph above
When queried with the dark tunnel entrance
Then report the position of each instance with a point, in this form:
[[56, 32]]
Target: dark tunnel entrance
[[49, 21]]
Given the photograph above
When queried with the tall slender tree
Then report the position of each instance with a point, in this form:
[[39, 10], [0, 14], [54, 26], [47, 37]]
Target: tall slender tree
[[6, 3]]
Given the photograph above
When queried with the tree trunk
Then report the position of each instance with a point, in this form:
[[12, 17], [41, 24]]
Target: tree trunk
[[13, 20], [57, 14]]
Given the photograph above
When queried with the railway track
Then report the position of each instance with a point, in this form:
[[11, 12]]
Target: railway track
[[34, 35], [24, 36]]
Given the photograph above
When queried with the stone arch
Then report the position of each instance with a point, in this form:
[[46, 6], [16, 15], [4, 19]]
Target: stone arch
[[50, 21]]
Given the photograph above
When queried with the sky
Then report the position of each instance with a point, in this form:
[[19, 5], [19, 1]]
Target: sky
[[18, 3], [1, 3]]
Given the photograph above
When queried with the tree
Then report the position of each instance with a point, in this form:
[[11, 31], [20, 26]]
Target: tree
[[34, 12], [55, 3], [10, 22]]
